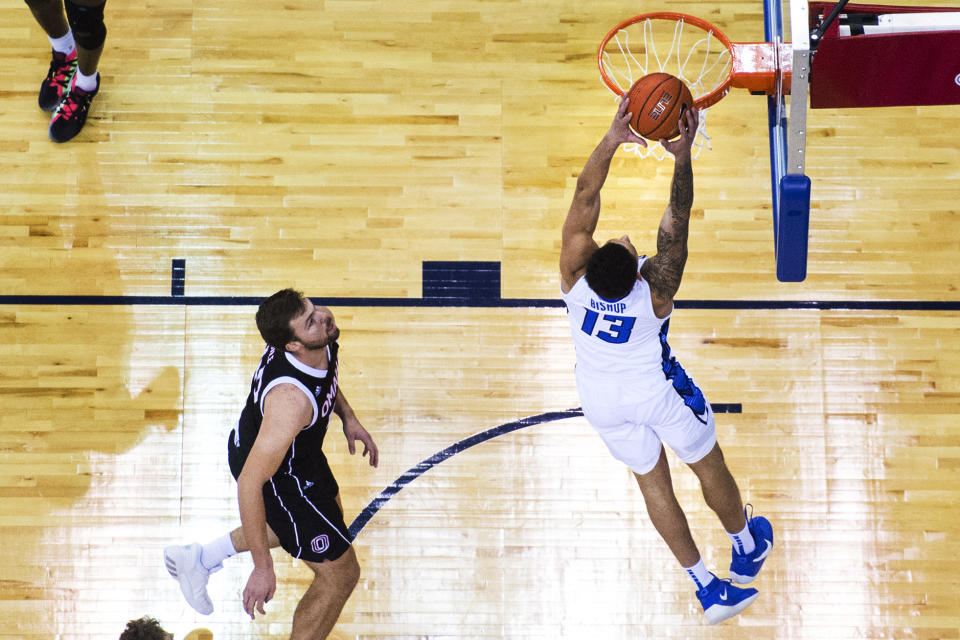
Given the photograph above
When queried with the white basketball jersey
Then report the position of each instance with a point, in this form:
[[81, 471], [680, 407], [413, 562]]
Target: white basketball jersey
[[616, 337]]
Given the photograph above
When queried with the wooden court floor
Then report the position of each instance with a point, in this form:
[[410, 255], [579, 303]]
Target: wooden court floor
[[336, 146]]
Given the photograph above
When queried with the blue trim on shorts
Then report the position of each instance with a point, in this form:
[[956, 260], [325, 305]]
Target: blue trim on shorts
[[682, 383]]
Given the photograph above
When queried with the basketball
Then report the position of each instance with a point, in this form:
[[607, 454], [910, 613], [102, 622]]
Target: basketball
[[657, 101]]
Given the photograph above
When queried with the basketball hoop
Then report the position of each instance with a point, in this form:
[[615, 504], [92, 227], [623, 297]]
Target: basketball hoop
[[695, 51]]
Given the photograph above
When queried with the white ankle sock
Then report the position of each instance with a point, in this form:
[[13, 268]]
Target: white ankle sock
[[63, 44], [85, 82], [743, 541], [699, 574], [215, 552]]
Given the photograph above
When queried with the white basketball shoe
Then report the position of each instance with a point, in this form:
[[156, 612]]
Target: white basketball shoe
[[183, 563]]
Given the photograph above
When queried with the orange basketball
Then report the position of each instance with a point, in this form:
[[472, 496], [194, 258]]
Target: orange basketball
[[656, 103]]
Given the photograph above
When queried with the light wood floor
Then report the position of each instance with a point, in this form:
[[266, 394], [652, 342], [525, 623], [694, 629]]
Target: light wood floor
[[335, 146]]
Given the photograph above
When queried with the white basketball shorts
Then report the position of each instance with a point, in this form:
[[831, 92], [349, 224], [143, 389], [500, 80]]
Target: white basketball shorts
[[635, 417]]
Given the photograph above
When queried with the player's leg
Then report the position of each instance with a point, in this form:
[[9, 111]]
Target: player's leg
[[90, 31], [639, 447], [325, 545], [320, 606], [719, 598], [690, 430], [720, 489], [752, 537], [50, 15], [665, 512], [621, 415], [86, 22], [239, 544]]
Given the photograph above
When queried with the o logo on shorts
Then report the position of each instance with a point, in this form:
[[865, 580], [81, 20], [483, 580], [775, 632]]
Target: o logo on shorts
[[320, 543], [957, 79]]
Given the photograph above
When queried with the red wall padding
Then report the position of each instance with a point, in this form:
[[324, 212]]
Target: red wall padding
[[884, 70]]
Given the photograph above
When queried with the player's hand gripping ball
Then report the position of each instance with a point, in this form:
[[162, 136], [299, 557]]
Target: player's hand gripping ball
[[657, 101]]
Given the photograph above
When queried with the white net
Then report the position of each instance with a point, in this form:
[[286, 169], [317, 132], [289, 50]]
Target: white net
[[668, 45]]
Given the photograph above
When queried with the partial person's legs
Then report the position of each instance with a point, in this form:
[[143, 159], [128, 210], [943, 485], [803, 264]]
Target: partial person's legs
[[86, 22], [320, 606]]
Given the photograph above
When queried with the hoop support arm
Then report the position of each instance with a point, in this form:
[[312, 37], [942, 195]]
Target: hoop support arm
[[755, 66]]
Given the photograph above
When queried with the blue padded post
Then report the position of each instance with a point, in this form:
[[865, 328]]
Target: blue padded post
[[794, 225]]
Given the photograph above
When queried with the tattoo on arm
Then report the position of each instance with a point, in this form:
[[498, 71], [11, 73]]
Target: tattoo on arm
[[681, 191], [666, 268]]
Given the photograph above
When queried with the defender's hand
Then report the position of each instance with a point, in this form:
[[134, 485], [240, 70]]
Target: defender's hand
[[260, 588], [354, 431]]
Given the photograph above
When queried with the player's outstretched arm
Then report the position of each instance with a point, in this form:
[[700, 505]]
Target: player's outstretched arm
[[577, 243], [354, 431], [286, 411], [665, 269]]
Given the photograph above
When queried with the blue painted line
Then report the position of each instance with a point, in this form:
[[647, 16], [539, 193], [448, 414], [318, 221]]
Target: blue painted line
[[217, 301], [415, 472]]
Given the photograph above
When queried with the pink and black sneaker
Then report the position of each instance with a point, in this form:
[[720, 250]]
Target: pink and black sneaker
[[71, 114], [54, 86]]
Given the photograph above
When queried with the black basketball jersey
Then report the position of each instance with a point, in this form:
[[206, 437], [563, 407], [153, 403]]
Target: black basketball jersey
[[304, 465]]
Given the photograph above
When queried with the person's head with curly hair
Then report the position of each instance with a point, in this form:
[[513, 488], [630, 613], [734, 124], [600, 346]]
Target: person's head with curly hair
[[145, 628]]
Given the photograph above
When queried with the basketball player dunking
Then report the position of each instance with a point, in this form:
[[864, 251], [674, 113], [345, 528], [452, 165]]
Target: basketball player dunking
[[632, 390], [287, 493]]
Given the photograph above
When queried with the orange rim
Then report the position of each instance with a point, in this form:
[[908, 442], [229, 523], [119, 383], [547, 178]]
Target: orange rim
[[702, 102]]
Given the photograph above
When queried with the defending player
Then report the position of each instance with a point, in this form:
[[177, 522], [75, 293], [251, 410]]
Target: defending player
[[633, 391], [287, 493]]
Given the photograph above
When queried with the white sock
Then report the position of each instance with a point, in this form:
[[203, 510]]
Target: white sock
[[699, 574], [85, 82], [743, 541], [63, 44], [215, 552]]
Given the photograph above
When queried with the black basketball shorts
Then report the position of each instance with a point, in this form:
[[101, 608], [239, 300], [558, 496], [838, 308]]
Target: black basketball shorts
[[309, 523], [304, 514]]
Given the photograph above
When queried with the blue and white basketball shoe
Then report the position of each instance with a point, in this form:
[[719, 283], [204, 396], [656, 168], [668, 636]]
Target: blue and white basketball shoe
[[744, 567], [721, 600]]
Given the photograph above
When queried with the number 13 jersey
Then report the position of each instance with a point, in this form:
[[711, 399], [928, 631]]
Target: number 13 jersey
[[617, 338]]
